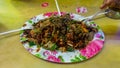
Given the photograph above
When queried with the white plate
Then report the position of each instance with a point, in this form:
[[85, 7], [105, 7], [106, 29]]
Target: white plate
[[89, 51]]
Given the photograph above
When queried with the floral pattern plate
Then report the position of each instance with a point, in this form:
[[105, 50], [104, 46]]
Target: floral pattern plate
[[89, 51]]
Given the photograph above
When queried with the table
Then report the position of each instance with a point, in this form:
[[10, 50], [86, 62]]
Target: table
[[13, 14]]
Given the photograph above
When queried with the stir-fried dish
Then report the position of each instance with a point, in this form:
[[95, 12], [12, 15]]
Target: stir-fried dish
[[60, 33]]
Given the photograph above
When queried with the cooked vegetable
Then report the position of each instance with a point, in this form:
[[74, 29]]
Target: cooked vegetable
[[60, 33]]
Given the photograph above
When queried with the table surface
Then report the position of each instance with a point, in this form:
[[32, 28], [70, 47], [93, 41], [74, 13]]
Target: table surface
[[13, 14]]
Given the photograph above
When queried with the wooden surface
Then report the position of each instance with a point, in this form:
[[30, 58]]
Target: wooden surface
[[13, 14]]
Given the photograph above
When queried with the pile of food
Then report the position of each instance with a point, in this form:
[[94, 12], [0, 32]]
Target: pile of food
[[60, 33]]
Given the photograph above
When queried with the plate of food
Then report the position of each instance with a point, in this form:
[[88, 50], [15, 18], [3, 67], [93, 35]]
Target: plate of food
[[62, 39]]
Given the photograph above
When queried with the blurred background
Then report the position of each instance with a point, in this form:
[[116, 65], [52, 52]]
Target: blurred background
[[14, 13]]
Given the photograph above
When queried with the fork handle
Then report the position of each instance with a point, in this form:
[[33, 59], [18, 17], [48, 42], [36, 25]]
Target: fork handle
[[11, 31]]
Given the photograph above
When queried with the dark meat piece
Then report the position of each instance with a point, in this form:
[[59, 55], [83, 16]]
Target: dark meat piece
[[91, 36], [39, 38], [69, 36], [27, 32]]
